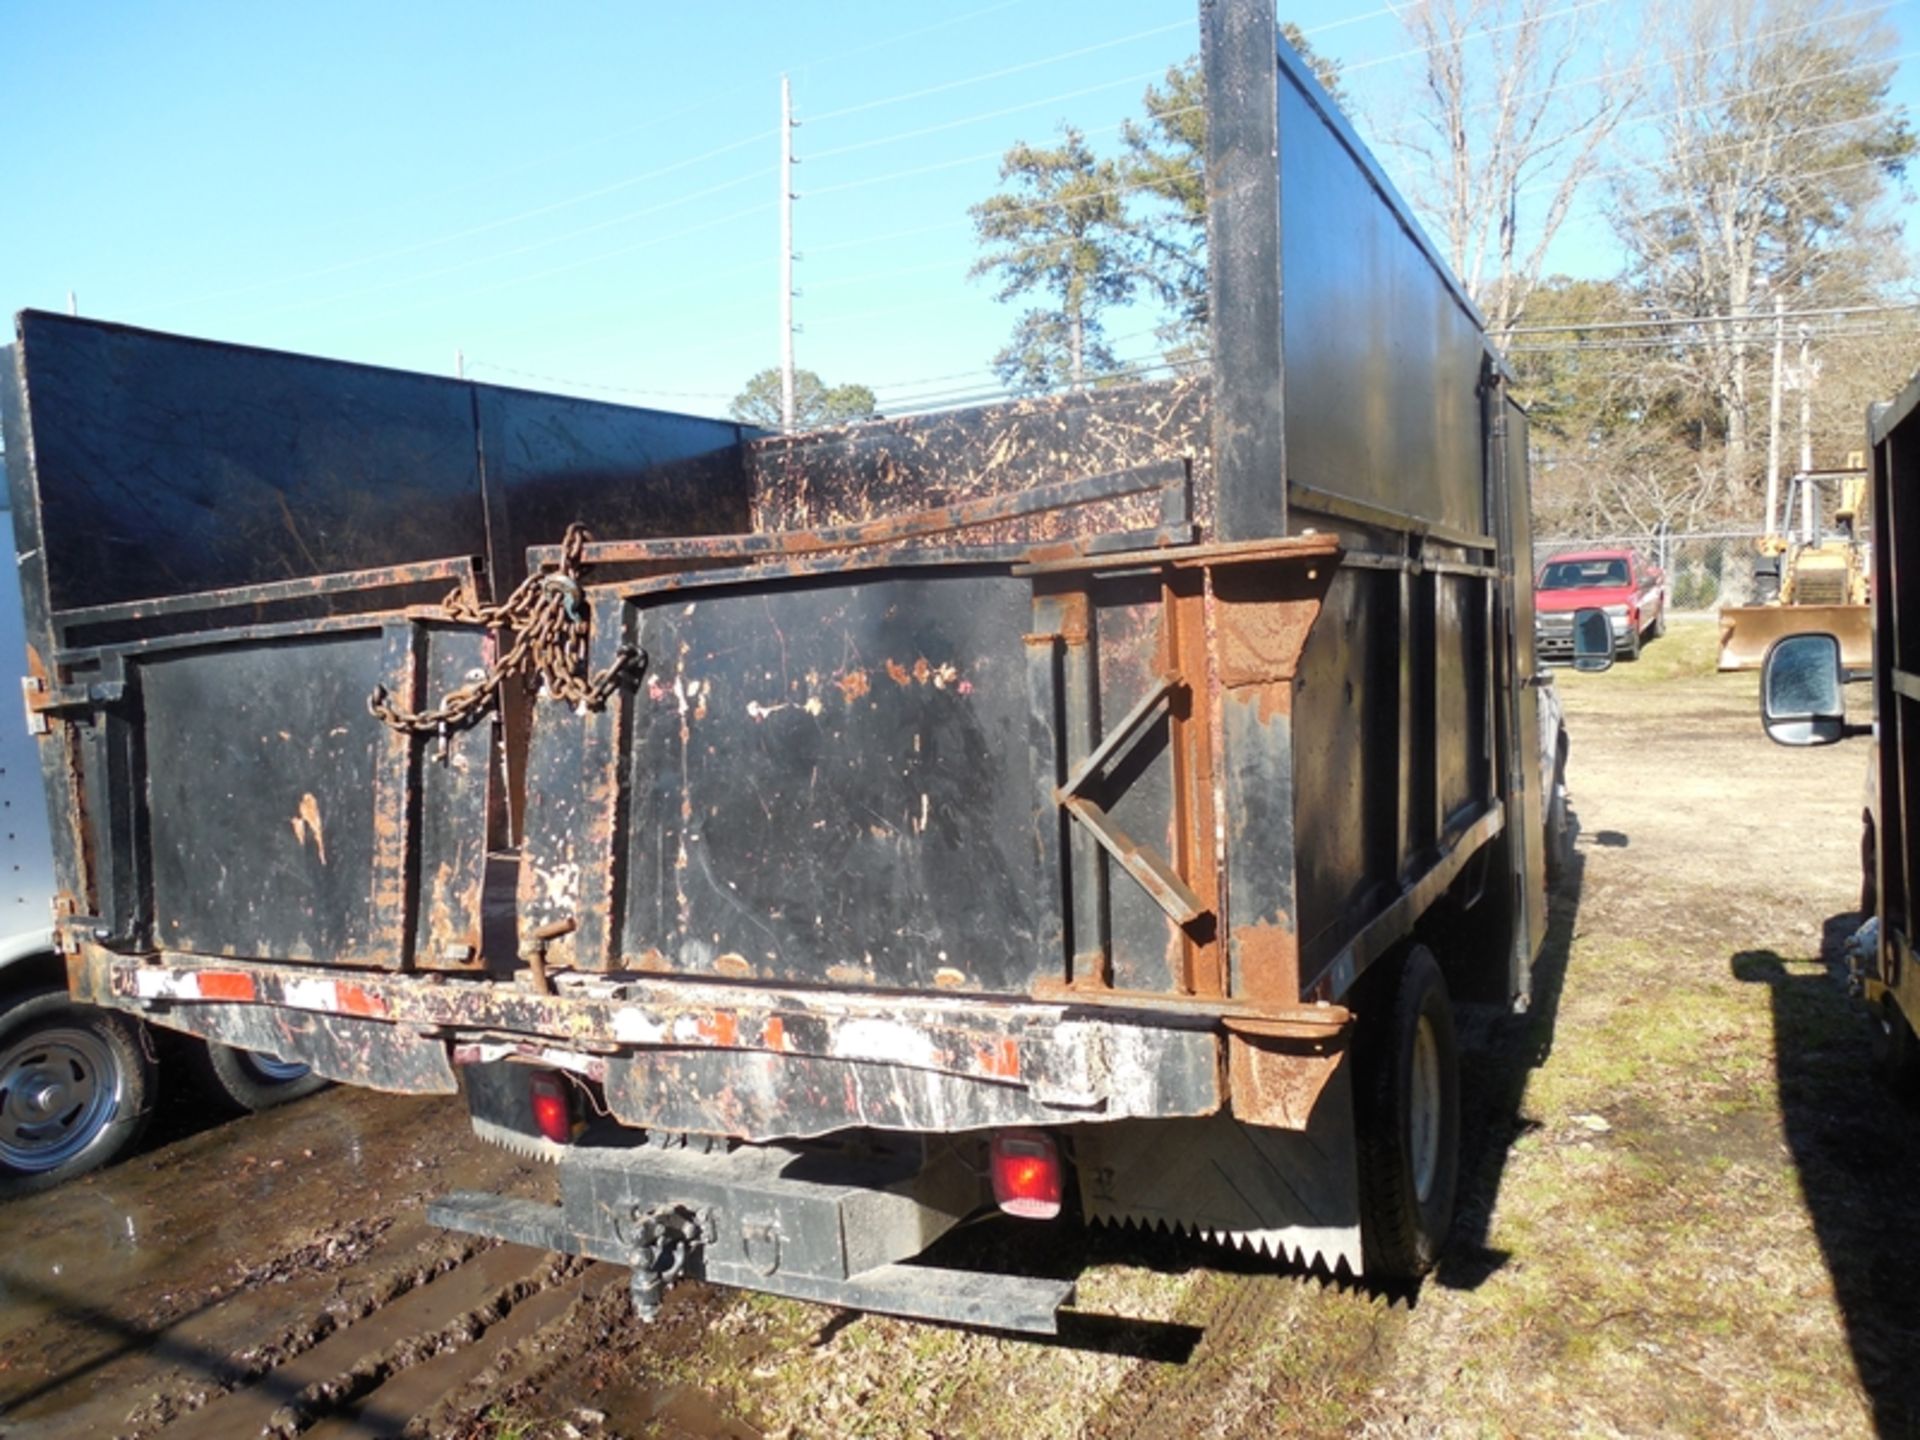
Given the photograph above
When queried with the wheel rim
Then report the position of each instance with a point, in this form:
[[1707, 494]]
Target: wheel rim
[[1423, 1110], [274, 1070], [58, 1090]]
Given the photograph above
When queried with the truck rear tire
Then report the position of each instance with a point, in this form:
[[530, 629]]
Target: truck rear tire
[[1407, 1078], [1896, 1050], [1559, 830], [248, 1081], [75, 1084]]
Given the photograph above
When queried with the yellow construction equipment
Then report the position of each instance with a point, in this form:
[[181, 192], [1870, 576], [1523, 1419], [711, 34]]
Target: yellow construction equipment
[[1812, 579]]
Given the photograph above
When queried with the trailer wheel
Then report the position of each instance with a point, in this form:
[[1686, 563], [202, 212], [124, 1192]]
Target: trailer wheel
[[248, 1080], [1408, 1078], [74, 1088]]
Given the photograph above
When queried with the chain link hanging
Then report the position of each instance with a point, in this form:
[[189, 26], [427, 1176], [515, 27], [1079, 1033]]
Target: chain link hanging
[[546, 621]]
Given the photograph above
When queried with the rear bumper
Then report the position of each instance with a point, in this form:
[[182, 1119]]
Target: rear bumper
[[813, 1223], [751, 1062]]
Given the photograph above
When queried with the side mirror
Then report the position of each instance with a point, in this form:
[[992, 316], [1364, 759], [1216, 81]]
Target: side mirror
[[1592, 640], [1801, 699]]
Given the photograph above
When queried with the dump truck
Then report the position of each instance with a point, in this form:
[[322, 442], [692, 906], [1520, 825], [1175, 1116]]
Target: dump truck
[[1809, 576], [1803, 702], [1093, 802]]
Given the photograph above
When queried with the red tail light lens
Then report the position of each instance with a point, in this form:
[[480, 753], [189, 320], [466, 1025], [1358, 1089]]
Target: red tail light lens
[[1026, 1174], [551, 1112]]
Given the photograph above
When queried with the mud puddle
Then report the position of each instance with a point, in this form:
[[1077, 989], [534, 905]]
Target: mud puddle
[[135, 1295]]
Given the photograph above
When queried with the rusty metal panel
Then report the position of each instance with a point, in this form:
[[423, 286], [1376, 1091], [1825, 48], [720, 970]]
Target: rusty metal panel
[[261, 764], [1263, 621], [763, 1096], [1461, 749], [1145, 943], [283, 821], [831, 783], [451, 839], [860, 472], [1347, 768]]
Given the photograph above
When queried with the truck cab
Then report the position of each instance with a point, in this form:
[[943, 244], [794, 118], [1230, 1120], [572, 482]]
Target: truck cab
[[1803, 702]]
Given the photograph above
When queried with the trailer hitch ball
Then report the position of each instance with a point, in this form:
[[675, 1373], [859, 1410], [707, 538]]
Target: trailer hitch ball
[[664, 1241]]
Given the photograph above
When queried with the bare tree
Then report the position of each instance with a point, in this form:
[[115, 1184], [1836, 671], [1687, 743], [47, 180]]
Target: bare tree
[[1517, 108], [1774, 146]]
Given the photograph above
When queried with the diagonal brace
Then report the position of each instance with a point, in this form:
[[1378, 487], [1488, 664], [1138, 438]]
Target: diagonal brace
[[1154, 875]]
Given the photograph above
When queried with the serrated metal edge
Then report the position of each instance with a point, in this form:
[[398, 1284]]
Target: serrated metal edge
[[534, 1147], [1271, 1243]]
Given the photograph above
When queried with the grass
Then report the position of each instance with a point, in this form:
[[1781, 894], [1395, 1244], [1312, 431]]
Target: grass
[[1690, 650]]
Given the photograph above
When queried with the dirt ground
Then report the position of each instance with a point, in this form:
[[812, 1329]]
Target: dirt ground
[[1686, 1210]]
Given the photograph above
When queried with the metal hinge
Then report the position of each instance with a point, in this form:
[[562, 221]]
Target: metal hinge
[[43, 700]]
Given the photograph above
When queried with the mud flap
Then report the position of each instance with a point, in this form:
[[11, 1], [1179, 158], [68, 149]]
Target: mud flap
[[1747, 632], [1291, 1194]]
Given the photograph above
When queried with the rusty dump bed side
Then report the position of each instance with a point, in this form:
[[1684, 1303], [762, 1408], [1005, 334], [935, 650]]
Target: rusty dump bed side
[[1064, 760]]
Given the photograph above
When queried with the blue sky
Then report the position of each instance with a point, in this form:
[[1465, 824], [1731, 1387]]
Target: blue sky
[[585, 193]]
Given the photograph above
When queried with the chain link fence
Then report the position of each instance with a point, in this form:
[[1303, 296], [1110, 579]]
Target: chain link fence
[[1704, 571]]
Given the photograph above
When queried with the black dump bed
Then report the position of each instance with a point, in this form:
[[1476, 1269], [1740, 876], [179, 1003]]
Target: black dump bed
[[1070, 757]]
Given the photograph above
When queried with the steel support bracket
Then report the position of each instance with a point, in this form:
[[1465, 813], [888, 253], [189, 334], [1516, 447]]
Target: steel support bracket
[[1147, 866]]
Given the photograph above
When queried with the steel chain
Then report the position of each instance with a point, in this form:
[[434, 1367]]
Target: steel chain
[[546, 620]]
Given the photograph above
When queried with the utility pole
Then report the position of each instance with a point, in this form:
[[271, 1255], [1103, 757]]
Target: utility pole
[[1773, 410], [1806, 433], [786, 254], [459, 363], [73, 303]]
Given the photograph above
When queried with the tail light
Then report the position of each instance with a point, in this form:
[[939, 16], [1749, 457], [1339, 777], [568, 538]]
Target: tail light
[[1026, 1174], [552, 1111]]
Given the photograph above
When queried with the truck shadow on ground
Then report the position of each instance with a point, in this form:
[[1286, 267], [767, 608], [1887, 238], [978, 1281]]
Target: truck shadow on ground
[[1499, 1052], [1857, 1151]]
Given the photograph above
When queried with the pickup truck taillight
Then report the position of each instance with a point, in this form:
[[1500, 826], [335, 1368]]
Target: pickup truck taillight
[[1026, 1174]]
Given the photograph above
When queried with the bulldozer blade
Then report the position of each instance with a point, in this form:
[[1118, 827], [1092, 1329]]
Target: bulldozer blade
[[1747, 632]]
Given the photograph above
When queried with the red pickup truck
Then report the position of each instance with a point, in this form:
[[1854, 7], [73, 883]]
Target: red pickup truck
[[1632, 591]]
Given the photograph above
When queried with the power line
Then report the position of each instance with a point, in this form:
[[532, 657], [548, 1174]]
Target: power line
[[1600, 77], [552, 240], [914, 34], [1479, 34], [988, 369], [584, 261], [1613, 170], [955, 224], [571, 384], [1004, 71], [1794, 84], [1681, 321], [481, 229], [1758, 339], [1393, 10], [978, 116]]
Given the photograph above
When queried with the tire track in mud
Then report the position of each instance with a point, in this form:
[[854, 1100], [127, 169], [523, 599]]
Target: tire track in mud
[[351, 1368], [1283, 1351]]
